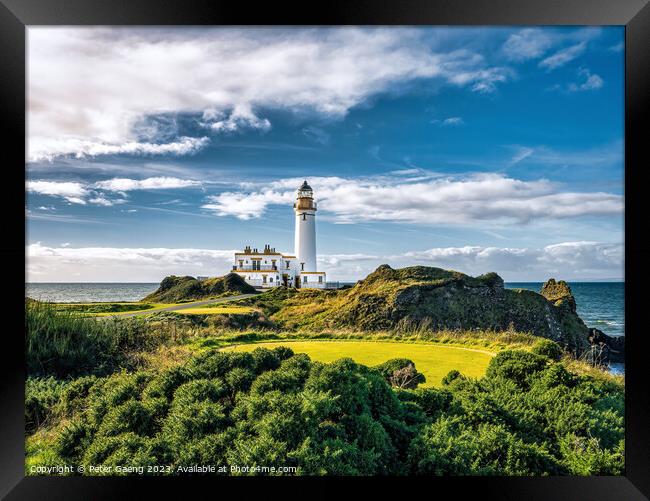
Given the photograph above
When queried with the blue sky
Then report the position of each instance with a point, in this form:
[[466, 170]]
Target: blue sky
[[159, 151]]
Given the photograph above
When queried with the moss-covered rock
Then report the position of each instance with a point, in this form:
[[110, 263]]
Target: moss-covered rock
[[174, 289], [559, 293]]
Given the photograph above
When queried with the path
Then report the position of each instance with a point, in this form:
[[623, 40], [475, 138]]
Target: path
[[182, 306]]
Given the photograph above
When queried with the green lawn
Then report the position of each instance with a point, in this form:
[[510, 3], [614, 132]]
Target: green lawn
[[214, 310], [432, 360]]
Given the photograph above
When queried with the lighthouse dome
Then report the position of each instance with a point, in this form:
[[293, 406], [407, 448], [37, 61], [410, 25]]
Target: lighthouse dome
[[305, 186]]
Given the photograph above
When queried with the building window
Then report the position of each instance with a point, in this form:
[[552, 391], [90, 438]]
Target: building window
[[241, 263], [287, 265], [320, 279], [263, 279], [271, 279], [304, 279]]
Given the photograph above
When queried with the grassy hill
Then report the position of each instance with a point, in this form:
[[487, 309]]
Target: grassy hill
[[427, 298], [174, 289]]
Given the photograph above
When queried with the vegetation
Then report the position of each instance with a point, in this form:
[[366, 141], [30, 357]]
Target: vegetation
[[64, 343], [174, 289], [215, 309], [413, 371], [102, 307], [527, 416], [433, 361], [428, 299]]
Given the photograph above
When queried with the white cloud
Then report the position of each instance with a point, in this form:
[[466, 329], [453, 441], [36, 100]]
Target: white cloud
[[528, 43], [80, 193], [151, 183], [317, 135], [565, 260], [71, 191], [533, 43], [451, 121], [591, 81], [113, 264], [522, 153], [101, 200], [246, 205], [619, 47], [49, 148], [89, 89], [241, 117], [473, 199], [562, 57]]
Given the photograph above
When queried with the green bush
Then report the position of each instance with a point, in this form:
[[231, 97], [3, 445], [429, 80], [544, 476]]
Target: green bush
[[41, 396], [548, 348], [516, 365], [401, 373], [525, 417]]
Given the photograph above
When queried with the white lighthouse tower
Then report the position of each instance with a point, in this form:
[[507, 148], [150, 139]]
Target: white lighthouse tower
[[268, 268], [305, 241]]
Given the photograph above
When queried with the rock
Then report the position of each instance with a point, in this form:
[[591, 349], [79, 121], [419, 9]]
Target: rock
[[559, 293], [613, 348], [173, 289]]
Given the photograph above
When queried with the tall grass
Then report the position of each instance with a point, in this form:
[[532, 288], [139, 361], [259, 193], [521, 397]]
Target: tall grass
[[65, 343]]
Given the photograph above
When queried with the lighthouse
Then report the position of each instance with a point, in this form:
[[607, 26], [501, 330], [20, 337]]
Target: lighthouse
[[305, 241], [269, 268]]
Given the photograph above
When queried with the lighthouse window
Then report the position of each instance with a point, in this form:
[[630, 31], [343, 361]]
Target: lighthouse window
[[304, 217]]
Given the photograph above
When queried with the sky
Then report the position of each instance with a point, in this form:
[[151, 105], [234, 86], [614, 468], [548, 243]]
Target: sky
[[158, 151]]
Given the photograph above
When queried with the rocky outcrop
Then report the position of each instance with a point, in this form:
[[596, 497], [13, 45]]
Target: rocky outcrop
[[606, 349], [173, 289], [436, 299], [559, 293]]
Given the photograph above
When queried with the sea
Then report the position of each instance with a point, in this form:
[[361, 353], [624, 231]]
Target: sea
[[599, 304]]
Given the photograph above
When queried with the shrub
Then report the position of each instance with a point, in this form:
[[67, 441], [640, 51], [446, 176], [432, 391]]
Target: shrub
[[525, 417], [516, 365], [452, 376], [41, 396], [548, 348], [401, 373]]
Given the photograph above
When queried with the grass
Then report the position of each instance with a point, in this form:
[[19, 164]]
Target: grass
[[214, 310], [109, 309], [432, 360]]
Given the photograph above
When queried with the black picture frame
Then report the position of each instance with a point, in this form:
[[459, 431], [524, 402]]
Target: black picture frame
[[16, 15]]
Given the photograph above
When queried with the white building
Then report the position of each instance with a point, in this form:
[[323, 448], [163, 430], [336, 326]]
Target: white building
[[272, 269]]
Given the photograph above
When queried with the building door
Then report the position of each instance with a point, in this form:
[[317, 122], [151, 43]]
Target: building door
[[285, 280]]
